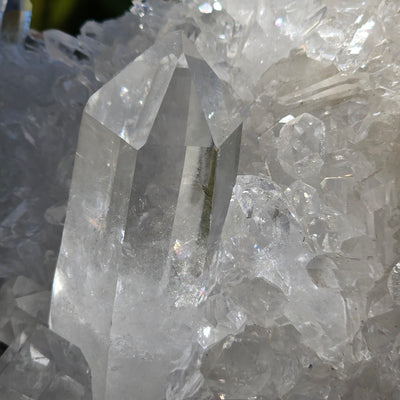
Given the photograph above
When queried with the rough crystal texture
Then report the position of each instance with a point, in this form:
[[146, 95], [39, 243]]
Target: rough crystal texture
[[24, 304], [39, 364], [40, 111], [302, 142], [291, 293]]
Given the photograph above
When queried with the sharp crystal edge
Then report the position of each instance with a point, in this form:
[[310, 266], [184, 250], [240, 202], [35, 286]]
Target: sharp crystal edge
[[39, 364], [290, 291], [154, 171]]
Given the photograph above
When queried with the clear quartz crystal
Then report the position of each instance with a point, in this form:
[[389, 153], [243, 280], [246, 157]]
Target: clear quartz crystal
[[164, 135], [290, 290], [301, 145], [24, 304], [39, 364]]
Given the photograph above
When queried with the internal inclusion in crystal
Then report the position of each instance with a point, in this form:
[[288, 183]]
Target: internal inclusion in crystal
[[156, 163], [180, 192]]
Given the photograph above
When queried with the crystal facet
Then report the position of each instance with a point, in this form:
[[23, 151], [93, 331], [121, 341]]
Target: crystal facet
[[302, 143], [174, 285], [170, 137], [41, 365]]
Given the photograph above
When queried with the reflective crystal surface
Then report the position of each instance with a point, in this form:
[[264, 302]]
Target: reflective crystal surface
[[39, 364], [15, 19], [233, 224], [24, 304], [302, 143], [170, 133]]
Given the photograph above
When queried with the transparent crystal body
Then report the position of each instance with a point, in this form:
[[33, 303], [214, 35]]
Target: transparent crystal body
[[301, 299], [164, 135], [302, 143], [41, 364]]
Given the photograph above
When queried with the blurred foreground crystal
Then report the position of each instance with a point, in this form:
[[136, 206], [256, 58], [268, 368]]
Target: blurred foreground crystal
[[39, 364], [15, 19]]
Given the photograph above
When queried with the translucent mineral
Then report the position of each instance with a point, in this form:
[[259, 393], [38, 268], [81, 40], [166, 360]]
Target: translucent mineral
[[24, 305], [40, 111], [39, 364], [233, 223], [171, 133]]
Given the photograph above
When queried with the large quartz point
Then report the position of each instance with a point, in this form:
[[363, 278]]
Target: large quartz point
[[154, 171]]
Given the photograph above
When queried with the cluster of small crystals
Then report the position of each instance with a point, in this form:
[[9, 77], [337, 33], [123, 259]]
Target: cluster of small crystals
[[47, 80], [302, 299]]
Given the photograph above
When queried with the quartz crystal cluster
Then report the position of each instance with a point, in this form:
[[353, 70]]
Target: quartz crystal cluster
[[233, 223]]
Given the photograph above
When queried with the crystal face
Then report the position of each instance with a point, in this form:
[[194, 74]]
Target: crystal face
[[42, 365], [233, 226], [170, 136], [302, 144]]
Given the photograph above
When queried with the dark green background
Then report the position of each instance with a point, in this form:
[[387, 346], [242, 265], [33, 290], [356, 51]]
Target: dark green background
[[69, 15]]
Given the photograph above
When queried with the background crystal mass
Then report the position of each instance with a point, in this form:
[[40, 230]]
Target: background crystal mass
[[299, 299]]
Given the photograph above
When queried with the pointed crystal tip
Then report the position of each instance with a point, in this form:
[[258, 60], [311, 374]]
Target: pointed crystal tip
[[129, 103]]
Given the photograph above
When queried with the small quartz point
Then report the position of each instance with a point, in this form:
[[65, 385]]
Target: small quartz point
[[164, 136], [302, 143], [39, 364], [35, 363], [23, 305]]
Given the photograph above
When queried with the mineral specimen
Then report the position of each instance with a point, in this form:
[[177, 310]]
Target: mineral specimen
[[233, 224], [41, 365], [170, 135]]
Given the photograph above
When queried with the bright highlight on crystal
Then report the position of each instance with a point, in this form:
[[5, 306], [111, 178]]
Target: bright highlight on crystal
[[217, 6], [233, 226], [279, 22], [206, 8]]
